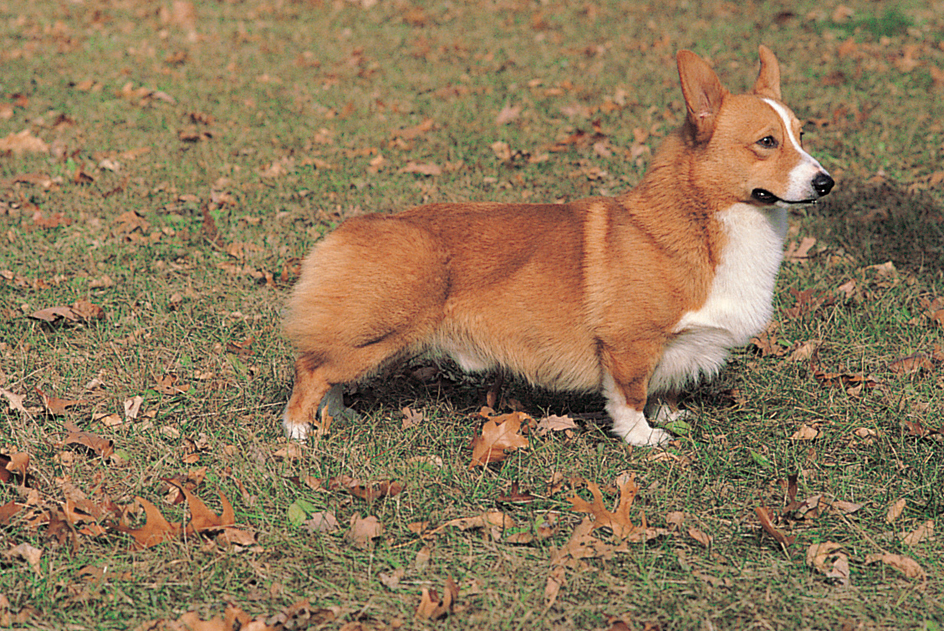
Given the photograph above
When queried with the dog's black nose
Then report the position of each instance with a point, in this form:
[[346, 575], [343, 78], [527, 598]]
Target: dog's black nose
[[822, 184]]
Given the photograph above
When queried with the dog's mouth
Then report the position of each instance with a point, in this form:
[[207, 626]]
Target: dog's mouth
[[821, 186], [766, 197]]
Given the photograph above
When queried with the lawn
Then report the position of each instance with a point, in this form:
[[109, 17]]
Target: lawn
[[164, 167]]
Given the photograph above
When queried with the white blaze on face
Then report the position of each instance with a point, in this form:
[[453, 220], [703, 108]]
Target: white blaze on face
[[800, 185]]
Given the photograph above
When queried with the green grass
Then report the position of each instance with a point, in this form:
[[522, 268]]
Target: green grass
[[322, 89]]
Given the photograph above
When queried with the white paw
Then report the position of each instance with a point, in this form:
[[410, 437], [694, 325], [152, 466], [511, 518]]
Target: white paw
[[293, 430], [631, 426]]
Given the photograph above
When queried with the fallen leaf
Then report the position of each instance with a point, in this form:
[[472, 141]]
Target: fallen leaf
[[499, 435], [911, 364], [830, 559], [376, 491], [79, 311], [700, 537], [421, 169], [782, 538], [411, 418], [15, 401], [515, 495], [798, 252], [23, 142], [364, 530], [132, 407], [431, 607], [323, 521], [54, 405], [101, 446], [921, 533], [155, 530], [894, 510], [617, 521], [508, 114], [906, 565], [7, 511], [554, 424], [805, 433], [28, 553], [14, 465], [392, 581]]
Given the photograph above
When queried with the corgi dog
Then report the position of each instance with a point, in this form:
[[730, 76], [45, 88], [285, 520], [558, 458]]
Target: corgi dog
[[634, 296]]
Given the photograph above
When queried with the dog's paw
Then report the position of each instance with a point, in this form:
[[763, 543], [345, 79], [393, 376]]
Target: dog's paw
[[293, 430]]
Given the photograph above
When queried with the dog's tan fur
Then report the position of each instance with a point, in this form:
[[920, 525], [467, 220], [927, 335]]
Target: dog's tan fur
[[587, 296]]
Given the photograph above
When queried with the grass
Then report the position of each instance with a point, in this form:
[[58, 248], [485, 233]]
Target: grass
[[277, 121]]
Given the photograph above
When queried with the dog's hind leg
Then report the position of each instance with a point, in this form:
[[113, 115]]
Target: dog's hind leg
[[310, 388]]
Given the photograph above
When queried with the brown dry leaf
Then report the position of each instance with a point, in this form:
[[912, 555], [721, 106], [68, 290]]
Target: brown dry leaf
[[798, 252], [14, 465], [766, 342], [411, 133], [201, 517], [763, 514], [831, 560], [700, 537], [894, 510], [364, 530], [7, 511], [422, 169], [508, 114], [156, 528], [499, 434], [847, 508], [28, 553], [15, 401], [23, 142], [56, 406], [323, 521], [431, 607], [80, 311], [911, 364], [411, 418], [906, 565], [130, 221], [805, 432], [376, 491], [804, 351], [491, 519], [515, 495], [170, 385], [921, 533], [101, 446], [617, 521], [554, 423]]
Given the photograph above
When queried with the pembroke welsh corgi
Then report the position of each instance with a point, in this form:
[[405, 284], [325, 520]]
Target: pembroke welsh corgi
[[633, 296]]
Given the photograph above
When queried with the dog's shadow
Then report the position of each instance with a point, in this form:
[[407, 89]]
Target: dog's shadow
[[875, 222]]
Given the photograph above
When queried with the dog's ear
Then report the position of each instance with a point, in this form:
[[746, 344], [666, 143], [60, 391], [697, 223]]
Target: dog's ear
[[768, 79], [703, 93]]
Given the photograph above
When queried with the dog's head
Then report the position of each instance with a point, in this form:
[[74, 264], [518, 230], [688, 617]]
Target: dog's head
[[748, 144]]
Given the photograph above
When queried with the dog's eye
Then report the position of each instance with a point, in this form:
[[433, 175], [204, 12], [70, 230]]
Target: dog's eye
[[768, 142]]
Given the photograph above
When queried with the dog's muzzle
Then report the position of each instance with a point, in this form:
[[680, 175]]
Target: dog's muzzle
[[822, 184]]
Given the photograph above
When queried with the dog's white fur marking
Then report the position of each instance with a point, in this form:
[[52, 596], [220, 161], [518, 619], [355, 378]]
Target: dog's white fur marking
[[294, 431], [630, 424], [800, 186], [739, 301]]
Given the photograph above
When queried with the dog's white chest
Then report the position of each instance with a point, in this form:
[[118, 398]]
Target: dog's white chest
[[739, 302]]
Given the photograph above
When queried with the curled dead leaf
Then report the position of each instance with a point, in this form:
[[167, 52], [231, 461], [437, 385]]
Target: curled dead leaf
[[830, 559], [432, 607], [906, 565]]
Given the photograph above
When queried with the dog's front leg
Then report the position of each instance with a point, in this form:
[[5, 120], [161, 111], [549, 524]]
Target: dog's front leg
[[624, 385]]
